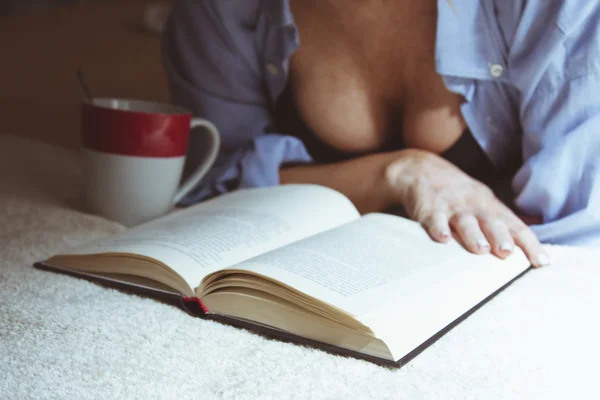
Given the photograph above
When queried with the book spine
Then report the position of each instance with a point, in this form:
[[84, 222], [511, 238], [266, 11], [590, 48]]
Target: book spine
[[194, 306]]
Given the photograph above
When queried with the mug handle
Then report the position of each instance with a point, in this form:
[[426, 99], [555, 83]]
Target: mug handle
[[203, 168]]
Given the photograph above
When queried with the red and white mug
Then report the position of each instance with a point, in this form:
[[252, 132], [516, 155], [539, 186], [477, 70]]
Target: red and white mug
[[134, 154]]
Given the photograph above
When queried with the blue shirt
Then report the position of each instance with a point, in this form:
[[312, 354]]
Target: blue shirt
[[529, 71]]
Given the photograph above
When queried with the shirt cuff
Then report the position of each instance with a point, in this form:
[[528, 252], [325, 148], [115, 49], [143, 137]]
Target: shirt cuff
[[255, 165]]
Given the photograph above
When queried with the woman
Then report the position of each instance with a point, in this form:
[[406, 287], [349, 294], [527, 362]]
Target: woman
[[423, 104]]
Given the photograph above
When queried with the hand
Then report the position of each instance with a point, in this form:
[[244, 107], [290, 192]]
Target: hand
[[445, 200]]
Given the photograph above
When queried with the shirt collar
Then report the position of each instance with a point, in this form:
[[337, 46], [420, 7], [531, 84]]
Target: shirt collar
[[279, 11]]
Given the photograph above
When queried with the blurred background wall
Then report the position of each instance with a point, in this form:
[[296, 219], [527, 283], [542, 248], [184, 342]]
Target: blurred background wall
[[43, 43], [33, 6]]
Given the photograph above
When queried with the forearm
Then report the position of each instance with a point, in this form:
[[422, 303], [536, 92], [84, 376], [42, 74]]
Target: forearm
[[362, 180]]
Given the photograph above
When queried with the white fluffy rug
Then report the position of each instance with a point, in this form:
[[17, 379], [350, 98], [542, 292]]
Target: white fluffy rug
[[66, 338]]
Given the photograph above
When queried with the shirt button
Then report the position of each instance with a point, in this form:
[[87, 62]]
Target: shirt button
[[496, 70], [272, 68]]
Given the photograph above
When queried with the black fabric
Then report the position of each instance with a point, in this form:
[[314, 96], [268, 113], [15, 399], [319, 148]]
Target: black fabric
[[465, 153], [289, 121]]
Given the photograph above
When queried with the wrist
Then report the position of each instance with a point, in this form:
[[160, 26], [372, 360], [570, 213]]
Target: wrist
[[397, 175]]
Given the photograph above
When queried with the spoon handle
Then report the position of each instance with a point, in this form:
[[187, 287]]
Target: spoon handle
[[84, 86]]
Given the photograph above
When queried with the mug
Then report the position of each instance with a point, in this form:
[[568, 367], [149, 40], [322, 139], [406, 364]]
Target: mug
[[134, 154]]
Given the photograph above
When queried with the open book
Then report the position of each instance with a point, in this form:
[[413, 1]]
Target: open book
[[298, 262]]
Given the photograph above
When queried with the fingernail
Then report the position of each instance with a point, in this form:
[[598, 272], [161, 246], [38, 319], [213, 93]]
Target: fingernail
[[445, 235], [506, 246], [543, 260], [483, 244]]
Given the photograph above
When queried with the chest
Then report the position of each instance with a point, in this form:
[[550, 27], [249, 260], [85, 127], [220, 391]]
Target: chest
[[364, 75]]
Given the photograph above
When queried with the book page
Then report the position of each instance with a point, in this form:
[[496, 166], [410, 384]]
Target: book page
[[376, 266], [231, 228]]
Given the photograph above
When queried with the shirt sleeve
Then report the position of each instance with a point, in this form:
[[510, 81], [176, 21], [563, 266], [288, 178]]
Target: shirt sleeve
[[212, 62], [559, 79]]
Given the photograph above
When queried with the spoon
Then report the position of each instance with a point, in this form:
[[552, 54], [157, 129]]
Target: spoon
[[84, 86]]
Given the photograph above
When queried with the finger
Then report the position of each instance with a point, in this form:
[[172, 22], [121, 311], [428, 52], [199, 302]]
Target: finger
[[497, 232], [468, 230], [529, 243], [437, 226]]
